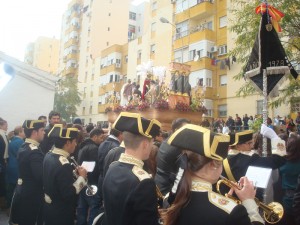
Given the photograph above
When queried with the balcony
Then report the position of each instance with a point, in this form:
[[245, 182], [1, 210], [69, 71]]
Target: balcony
[[70, 71], [71, 42], [202, 63], [193, 35], [113, 67], [203, 9], [72, 28], [71, 56], [113, 86], [102, 107]]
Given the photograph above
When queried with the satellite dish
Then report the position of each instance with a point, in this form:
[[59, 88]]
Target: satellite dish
[[196, 58]]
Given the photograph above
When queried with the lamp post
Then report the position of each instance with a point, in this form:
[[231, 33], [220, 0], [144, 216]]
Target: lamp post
[[71, 118], [164, 20]]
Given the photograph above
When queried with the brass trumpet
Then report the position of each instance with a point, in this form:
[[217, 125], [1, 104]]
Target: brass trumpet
[[91, 189], [273, 212]]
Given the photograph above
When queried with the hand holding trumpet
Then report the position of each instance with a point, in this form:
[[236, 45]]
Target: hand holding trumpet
[[81, 171], [244, 190]]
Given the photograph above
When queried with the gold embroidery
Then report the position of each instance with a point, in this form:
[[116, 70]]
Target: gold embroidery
[[125, 158]]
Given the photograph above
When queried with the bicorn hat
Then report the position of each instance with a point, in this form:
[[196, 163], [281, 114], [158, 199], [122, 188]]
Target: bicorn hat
[[241, 137], [65, 133], [135, 124], [33, 124], [201, 141]]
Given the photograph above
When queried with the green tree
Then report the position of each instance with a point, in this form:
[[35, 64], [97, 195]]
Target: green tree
[[67, 97], [246, 24]]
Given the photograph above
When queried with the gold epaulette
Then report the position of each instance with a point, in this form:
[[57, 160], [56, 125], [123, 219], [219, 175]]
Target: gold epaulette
[[140, 173], [63, 160], [221, 202]]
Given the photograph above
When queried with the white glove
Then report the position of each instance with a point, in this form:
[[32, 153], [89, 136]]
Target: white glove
[[268, 132], [278, 145]]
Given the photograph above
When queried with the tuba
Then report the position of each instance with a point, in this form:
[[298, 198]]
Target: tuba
[[91, 189], [273, 212]]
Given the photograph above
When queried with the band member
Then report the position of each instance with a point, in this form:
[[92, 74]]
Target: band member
[[28, 198], [195, 202], [240, 156], [128, 190], [60, 186]]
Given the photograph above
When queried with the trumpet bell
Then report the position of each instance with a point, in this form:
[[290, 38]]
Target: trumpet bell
[[91, 190], [276, 214]]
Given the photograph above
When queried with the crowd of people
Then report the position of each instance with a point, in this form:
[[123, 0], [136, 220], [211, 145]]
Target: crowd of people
[[54, 173], [231, 125]]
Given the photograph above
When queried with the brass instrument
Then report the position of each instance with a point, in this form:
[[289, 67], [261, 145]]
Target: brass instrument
[[273, 212], [91, 189], [160, 197]]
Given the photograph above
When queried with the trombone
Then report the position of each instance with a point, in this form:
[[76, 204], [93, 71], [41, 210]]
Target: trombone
[[273, 212], [91, 190]]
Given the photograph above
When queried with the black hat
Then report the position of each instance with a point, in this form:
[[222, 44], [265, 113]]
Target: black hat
[[134, 123], [33, 124], [65, 133], [77, 120], [241, 137], [200, 140]]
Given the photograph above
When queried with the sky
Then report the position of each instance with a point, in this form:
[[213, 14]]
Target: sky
[[23, 21]]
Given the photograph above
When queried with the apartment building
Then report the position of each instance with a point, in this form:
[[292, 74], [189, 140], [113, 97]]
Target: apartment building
[[200, 40], [43, 54]]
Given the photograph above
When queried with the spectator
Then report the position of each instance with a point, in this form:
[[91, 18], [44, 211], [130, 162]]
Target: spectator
[[12, 164], [89, 206], [238, 122], [47, 143], [3, 160], [289, 173], [245, 121], [230, 124], [250, 122], [44, 118]]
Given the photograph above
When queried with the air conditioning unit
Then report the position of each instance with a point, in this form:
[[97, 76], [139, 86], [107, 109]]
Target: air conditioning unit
[[214, 49], [118, 65]]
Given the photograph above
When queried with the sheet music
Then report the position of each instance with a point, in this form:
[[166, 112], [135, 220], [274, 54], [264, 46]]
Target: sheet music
[[260, 176], [89, 166]]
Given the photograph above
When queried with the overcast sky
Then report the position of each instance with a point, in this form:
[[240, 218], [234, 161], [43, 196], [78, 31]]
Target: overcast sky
[[22, 21]]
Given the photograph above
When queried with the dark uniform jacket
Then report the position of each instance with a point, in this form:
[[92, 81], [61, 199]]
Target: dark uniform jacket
[[88, 152], [296, 203], [48, 142], [239, 163], [29, 195], [167, 166], [112, 156], [129, 194], [60, 188], [209, 208]]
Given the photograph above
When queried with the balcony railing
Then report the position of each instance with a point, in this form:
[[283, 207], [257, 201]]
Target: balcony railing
[[192, 30]]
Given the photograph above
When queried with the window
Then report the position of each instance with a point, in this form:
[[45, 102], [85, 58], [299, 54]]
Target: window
[[139, 54], [295, 105], [208, 82], [223, 80], [83, 110], [223, 50], [91, 109], [107, 43], [208, 25], [209, 113], [259, 106], [152, 49], [192, 54], [126, 59], [108, 29], [132, 16], [223, 21], [111, 78], [117, 78], [153, 26], [154, 6], [222, 110], [109, 14], [181, 5]]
